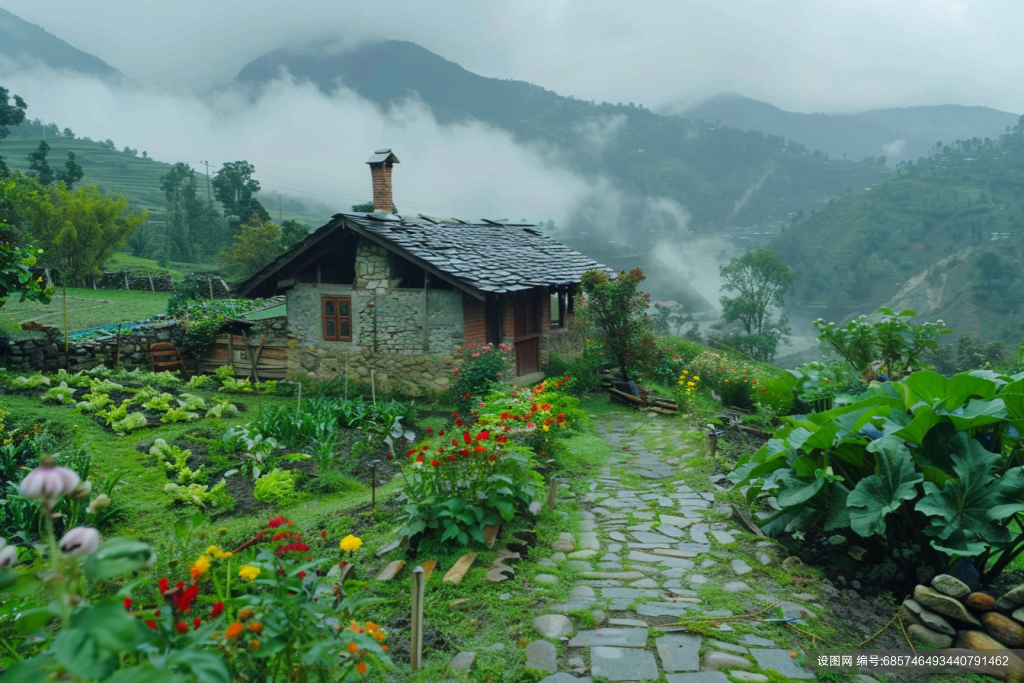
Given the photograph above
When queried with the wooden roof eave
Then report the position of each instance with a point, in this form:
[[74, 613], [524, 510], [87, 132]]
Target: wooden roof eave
[[289, 256], [425, 265]]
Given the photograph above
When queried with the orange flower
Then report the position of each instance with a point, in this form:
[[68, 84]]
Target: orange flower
[[245, 613], [234, 630], [256, 627], [378, 636], [361, 668], [254, 644], [353, 648]]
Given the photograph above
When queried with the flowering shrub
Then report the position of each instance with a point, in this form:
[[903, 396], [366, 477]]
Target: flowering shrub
[[478, 368], [257, 613], [742, 384], [689, 383]]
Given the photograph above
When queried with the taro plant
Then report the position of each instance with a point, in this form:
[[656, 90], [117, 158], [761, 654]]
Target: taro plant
[[923, 470]]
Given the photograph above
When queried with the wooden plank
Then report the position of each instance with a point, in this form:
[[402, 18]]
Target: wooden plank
[[490, 534], [428, 569], [389, 571], [459, 569]]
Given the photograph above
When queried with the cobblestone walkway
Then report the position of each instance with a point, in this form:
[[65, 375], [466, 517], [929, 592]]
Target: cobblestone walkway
[[652, 551]]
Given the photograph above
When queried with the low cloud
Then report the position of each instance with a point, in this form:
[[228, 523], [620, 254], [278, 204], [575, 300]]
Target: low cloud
[[894, 148]]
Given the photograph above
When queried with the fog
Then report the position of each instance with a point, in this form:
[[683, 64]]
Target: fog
[[804, 55]]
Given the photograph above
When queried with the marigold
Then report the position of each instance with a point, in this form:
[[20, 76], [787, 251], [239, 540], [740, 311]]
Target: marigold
[[249, 572], [256, 627], [353, 648], [200, 567], [234, 630], [254, 644], [181, 627], [245, 613], [361, 667], [350, 543]]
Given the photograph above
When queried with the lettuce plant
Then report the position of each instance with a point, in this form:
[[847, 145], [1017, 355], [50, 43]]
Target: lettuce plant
[[22, 383], [61, 393], [130, 423], [276, 486]]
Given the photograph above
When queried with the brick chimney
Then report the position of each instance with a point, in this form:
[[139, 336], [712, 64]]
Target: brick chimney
[[380, 170]]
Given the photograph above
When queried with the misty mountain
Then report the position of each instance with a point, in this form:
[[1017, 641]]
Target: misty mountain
[[944, 237], [900, 134], [23, 42], [722, 176]]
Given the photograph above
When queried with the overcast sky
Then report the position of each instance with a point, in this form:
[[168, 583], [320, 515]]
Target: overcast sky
[[808, 55]]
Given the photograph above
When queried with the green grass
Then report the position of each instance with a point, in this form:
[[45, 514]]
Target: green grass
[[87, 308]]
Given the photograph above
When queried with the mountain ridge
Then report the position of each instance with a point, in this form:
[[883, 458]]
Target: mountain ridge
[[21, 41]]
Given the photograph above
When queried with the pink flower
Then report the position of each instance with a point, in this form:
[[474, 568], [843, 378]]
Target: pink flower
[[80, 541], [476, 355], [48, 482]]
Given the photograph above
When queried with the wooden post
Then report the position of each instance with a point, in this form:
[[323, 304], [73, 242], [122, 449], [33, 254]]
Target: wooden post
[[373, 387], [416, 646], [298, 405], [209, 283], [346, 376], [552, 491], [117, 351], [152, 288]]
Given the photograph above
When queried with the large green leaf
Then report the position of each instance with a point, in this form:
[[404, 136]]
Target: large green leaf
[[796, 491], [960, 511], [924, 419], [922, 387], [117, 556], [876, 496], [978, 414], [838, 514]]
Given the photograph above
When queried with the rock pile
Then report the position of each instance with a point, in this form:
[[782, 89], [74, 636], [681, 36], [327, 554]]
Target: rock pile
[[949, 614]]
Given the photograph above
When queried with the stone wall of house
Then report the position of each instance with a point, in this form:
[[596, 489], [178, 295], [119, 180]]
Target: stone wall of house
[[405, 336], [44, 350]]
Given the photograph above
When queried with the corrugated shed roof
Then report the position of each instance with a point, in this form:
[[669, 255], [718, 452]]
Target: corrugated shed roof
[[488, 256]]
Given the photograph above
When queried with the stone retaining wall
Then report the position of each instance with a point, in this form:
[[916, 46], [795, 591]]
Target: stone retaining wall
[[45, 349]]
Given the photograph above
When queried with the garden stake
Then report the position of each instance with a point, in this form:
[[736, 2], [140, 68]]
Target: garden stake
[[117, 350], [346, 376], [298, 405], [416, 646], [373, 387], [373, 485], [552, 490]]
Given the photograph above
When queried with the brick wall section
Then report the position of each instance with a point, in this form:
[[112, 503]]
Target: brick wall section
[[382, 196], [474, 322], [508, 324]]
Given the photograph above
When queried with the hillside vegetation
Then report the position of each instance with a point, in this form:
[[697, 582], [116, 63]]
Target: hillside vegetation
[[723, 176], [944, 235]]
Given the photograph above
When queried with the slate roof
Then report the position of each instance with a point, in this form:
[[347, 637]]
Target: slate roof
[[488, 256]]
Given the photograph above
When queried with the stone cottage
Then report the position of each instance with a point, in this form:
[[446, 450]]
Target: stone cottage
[[396, 294]]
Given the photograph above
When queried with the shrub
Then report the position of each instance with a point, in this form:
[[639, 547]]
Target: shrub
[[585, 369], [923, 470], [478, 368], [615, 311]]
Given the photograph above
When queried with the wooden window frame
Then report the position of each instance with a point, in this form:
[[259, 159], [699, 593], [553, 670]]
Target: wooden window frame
[[558, 299], [337, 318]]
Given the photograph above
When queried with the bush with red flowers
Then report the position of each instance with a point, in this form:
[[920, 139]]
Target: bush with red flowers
[[478, 369]]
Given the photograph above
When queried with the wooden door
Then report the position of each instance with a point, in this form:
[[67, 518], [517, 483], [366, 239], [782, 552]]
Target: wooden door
[[527, 332]]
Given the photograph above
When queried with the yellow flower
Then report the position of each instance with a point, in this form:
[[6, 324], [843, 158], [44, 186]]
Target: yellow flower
[[545, 428], [213, 551], [249, 572], [691, 384], [350, 543], [200, 567]]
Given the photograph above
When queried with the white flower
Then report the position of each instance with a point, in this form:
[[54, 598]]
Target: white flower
[[83, 489], [48, 482], [8, 556], [98, 504], [80, 541]]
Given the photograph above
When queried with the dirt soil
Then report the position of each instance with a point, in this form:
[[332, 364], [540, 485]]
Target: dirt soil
[[399, 647]]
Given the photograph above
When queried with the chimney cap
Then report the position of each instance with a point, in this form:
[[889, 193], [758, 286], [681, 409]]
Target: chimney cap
[[383, 156]]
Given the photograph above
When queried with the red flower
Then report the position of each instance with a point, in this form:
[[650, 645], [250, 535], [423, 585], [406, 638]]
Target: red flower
[[440, 432], [150, 623], [218, 609], [182, 598], [302, 575], [128, 603], [455, 414], [458, 422], [412, 452], [156, 613], [390, 455], [451, 458], [323, 534], [464, 452], [483, 436], [561, 416], [492, 457], [181, 627], [420, 458], [196, 622], [434, 463], [567, 378], [764, 389], [286, 534], [480, 449], [277, 521], [164, 585], [455, 442], [429, 431], [291, 548]]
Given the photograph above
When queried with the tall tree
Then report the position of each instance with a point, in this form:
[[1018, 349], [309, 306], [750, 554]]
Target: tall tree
[[235, 189], [71, 173], [17, 260], [194, 227], [81, 229], [256, 246], [11, 114], [759, 281], [39, 167], [616, 313], [293, 232]]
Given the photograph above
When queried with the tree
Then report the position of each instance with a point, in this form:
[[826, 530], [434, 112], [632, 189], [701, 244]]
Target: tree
[[17, 260], [71, 173], [11, 114], [235, 188], [108, 144], [760, 281], [616, 312], [81, 229], [193, 226], [39, 167], [293, 232], [254, 247], [68, 133], [367, 207]]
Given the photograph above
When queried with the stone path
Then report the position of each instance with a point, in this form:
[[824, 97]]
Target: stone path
[[652, 550]]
